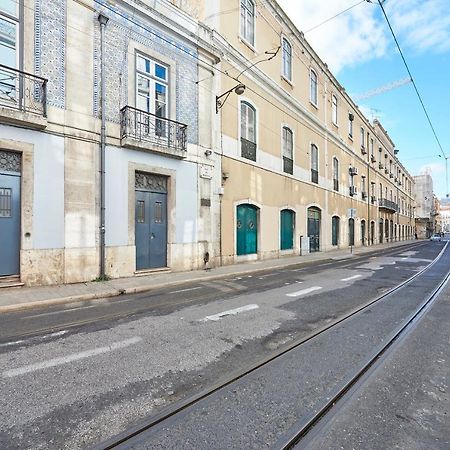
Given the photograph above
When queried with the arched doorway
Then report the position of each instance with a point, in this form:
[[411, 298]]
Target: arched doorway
[[314, 229], [351, 232], [287, 224], [386, 230], [335, 230], [247, 229], [363, 232], [380, 230], [395, 231], [391, 232], [372, 232]]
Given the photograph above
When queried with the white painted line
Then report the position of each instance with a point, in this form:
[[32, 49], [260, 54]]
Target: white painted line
[[230, 312], [6, 344], [268, 275], [351, 278], [326, 264], [297, 270], [304, 291], [57, 312], [185, 290], [70, 358]]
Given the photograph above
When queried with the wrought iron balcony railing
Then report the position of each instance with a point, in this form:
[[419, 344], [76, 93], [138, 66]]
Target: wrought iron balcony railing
[[248, 149], [23, 91], [384, 203], [145, 127]]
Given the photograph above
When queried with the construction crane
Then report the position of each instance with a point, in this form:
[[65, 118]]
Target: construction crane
[[381, 89]]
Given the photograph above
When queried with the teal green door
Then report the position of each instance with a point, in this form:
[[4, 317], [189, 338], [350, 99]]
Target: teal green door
[[287, 230], [247, 230]]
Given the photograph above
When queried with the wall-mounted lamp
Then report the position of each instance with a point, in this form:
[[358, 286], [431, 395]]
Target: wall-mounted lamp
[[396, 150], [239, 89], [225, 176], [208, 152]]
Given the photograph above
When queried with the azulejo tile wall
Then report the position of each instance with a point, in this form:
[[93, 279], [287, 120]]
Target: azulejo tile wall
[[120, 30], [50, 46]]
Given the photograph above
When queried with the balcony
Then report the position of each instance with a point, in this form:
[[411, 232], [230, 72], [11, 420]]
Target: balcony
[[248, 149], [142, 130], [22, 98], [387, 205]]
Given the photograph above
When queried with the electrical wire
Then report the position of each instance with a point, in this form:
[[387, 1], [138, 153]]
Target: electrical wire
[[412, 79]]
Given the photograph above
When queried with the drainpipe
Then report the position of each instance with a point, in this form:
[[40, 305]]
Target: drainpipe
[[103, 21]]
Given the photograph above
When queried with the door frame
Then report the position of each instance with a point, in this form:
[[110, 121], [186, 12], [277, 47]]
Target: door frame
[[171, 205], [26, 150], [253, 256], [317, 207], [294, 229]]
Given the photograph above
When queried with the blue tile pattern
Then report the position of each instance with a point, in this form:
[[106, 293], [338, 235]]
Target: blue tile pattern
[[50, 47], [120, 30]]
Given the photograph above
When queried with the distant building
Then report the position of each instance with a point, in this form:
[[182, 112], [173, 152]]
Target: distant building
[[425, 206], [444, 215]]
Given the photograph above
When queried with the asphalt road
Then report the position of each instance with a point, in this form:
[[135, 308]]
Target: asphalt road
[[74, 384]]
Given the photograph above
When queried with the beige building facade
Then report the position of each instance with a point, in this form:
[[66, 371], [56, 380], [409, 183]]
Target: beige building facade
[[302, 168]]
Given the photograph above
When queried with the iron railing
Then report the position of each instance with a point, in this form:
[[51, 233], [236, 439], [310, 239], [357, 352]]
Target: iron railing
[[288, 165], [23, 91], [146, 127], [384, 203], [248, 149]]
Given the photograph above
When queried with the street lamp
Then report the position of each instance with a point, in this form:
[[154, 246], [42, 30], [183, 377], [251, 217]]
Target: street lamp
[[446, 174], [239, 89]]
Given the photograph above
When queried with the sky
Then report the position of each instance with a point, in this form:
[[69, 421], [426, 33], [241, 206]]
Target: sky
[[360, 51]]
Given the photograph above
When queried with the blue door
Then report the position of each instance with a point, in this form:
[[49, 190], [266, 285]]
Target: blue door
[[287, 230], [151, 230], [247, 230], [9, 224]]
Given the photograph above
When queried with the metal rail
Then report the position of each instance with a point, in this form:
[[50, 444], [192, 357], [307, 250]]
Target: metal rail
[[290, 441], [153, 420]]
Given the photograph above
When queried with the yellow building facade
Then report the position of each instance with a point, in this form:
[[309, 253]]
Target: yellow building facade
[[302, 168]]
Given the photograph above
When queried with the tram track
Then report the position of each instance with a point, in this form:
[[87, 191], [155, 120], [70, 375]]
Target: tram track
[[124, 439]]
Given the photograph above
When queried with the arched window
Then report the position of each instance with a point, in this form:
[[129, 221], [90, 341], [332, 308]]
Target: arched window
[[248, 21], [314, 164], [313, 87], [335, 174], [287, 59], [334, 109], [335, 230], [248, 131], [288, 151]]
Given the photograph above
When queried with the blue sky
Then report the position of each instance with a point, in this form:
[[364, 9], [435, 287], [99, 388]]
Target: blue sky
[[360, 51]]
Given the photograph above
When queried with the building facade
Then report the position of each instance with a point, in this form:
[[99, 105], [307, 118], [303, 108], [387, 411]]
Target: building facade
[[302, 168], [132, 196], [425, 216]]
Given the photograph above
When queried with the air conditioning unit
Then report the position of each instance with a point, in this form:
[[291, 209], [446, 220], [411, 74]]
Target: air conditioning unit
[[391, 175], [373, 199], [373, 159], [380, 166], [364, 195], [353, 171], [353, 190], [386, 171], [363, 150]]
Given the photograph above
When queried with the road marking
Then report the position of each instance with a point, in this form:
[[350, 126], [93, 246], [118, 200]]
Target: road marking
[[327, 264], [304, 291], [6, 344], [297, 270], [230, 312], [232, 285], [57, 312], [70, 358], [351, 278], [185, 290], [267, 275]]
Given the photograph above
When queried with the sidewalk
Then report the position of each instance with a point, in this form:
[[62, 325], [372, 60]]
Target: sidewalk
[[15, 299]]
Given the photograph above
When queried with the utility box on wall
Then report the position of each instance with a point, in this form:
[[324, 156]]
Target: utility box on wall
[[304, 245]]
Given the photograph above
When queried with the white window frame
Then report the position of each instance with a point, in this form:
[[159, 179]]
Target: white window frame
[[289, 129], [245, 34], [334, 109], [363, 137], [314, 146], [314, 100], [350, 125], [255, 131], [286, 63], [335, 172]]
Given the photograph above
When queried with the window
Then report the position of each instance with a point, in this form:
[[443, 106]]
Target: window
[[335, 230], [363, 134], [288, 151], [152, 92], [9, 47], [363, 185], [5, 202], [350, 124], [248, 21], [371, 147], [335, 174], [287, 60], [313, 87], [248, 131], [334, 111], [314, 164]]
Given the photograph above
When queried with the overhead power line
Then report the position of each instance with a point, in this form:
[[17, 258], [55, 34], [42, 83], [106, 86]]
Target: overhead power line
[[412, 79]]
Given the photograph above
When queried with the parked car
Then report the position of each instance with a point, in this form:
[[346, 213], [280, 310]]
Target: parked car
[[435, 237]]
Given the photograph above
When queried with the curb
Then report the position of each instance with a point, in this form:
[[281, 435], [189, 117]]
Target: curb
[[117, 292]]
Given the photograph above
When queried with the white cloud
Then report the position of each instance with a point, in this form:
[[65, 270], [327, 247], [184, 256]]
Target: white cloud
[[349, 39], [361, 33]]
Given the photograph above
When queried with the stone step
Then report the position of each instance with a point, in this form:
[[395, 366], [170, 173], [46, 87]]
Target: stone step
[[10, 281]]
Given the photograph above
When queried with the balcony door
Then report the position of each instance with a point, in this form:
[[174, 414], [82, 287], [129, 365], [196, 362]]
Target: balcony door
[[151, 221]]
